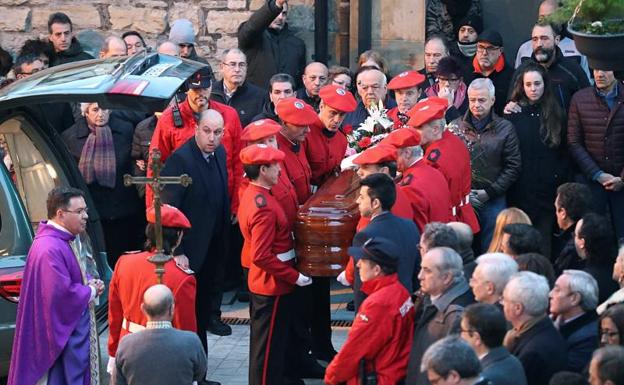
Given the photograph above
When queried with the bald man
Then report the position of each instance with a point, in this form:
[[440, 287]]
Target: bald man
[[464, 247], [372, 86], [205, 203], [113, 47], [314, 77], [168, 48], [160, 354]]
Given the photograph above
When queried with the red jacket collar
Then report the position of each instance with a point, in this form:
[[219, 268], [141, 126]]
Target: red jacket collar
[[369, 287], [498, 67]]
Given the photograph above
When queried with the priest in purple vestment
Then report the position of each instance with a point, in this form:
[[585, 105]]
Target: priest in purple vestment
[[55, 323]]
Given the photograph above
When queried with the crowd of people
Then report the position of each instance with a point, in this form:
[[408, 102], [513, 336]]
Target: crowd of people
[[486, 250]]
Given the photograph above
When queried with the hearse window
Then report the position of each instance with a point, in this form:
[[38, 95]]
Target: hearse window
[[34, 168]]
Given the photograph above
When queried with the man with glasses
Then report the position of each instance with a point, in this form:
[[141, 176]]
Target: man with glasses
[[183, 34], [314, 77], [27, 65], [484, 327], [234, 90], [205, 204], [270, 45], [489, 62], [55, 329], [573, 303]]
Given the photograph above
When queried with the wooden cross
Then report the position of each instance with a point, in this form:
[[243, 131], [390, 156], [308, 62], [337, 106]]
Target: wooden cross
[[156, 182]]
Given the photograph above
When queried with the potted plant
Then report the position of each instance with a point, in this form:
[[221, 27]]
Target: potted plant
[[597, 27]]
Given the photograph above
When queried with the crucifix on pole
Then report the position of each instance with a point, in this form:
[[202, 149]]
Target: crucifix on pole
[[156, 182]]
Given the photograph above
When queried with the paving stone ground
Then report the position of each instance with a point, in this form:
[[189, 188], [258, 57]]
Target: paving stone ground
[[228, 357]]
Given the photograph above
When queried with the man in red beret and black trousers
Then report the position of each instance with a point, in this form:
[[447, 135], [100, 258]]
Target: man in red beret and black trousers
[[407, 90], [326, 143], [448, 153], [272, 275], [134, 274]]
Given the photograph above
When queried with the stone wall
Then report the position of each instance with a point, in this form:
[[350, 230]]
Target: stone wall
[[397, 28], [216, 21]]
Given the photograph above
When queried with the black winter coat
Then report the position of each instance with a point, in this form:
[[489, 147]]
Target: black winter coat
[[543, 168], [270, 51], [119, 201], [72, 54], [247, 100]]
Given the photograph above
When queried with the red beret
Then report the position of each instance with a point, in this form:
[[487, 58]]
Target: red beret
[[426, 111], [338, 98], [260, 154], [403, 137], [169, 216], [406, 79], [377, 154], [260, 129], [296, 111]]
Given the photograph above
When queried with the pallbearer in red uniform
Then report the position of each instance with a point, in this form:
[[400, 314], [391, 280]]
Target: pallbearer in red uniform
[[425, 187], [272, 275], [326, 144], [377, 159], [134, 274], [447, 153], [407, 90], [296, 116]]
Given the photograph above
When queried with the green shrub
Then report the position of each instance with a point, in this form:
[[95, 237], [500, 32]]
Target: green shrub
[[595, 16]]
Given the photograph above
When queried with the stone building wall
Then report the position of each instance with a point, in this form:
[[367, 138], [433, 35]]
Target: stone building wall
[[397, 27]]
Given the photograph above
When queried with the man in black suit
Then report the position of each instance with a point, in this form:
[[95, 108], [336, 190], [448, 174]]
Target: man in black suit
[[533, 338], [483, 326], [377, 195], [205, 203]]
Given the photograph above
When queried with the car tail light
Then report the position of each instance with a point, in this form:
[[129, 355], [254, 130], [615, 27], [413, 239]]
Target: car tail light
[[10, 285]]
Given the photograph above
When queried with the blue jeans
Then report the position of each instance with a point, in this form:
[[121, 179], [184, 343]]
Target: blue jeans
[[487, 220]]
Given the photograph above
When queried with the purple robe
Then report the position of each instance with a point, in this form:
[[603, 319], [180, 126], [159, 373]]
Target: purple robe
[[52, 326]]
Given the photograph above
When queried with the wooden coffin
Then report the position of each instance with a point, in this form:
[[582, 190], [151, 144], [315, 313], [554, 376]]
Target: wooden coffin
[[326, 225]]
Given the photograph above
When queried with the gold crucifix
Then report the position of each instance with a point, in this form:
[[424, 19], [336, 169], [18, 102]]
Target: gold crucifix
[[156, 182]]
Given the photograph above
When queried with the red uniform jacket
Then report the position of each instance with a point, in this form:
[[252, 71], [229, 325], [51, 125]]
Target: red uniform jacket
[[168, 138], [324, 150], [401, 208], [451, 157], [297, 168], [267, 234], [133, 275], [393, 114], [382, 334], [428, 192]]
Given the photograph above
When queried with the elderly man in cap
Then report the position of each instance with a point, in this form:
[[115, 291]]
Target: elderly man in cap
[[272, 276], [489, 62], [326, 143], [446, 152], [376, 198], [182, 33], [426, 187], [296, 116], [381, 334], [134, 274], [407, 90], [177, 125]]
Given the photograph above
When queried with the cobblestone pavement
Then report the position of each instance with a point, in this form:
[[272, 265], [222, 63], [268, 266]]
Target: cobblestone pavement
[[228, 357]]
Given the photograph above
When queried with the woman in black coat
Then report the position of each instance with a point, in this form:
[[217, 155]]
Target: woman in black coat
[[101, 143], [545, 162]]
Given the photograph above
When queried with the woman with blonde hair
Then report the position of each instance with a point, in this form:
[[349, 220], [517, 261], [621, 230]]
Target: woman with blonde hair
[[505, 217]]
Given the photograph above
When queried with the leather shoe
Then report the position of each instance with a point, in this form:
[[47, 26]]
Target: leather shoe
[[326, 355], [310, 368], [218, 327]]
